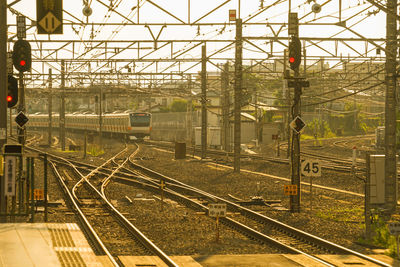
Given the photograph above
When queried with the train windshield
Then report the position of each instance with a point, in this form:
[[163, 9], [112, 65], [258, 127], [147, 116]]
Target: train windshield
[[140, 119]]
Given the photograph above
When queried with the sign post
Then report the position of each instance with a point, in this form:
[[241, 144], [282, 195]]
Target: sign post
[[162, 185], [217, 210], [354, 159], [311, 168]]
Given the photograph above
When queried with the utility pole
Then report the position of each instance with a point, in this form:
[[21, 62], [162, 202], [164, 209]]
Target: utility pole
[[295, 171], [289, 104], [203, 101], [50, 106], [21, 108], [256, 122], [189, 107], [238, 95], [62, 107], [390, 109], [225, 108], [149, 106], [297, 124], [3, 94], [101, 118]]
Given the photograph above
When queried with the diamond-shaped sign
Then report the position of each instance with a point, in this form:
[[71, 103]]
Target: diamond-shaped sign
[[49, 23], [21, 119], [297, 124], [49, 16]]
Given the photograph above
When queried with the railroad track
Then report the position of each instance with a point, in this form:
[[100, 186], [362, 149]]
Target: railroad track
[[328, 162], [280, 235], [88, 200], [285, 237]]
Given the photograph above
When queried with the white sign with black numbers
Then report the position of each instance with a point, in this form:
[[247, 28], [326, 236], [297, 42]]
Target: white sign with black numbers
[[311, 167], [217, 210]]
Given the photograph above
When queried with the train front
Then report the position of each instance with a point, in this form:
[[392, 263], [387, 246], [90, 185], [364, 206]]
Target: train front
[[140, 125]]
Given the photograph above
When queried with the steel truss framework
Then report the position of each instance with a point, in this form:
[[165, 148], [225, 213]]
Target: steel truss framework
[[155, 58]]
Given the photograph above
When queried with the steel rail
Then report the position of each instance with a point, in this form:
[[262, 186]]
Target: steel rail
[[87, 228], [129, 226], [153, 186], [121, 218], [262, 218]]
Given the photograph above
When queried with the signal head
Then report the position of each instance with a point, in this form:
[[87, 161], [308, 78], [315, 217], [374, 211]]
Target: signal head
[[21, 56], [12, 96], [294, 53]]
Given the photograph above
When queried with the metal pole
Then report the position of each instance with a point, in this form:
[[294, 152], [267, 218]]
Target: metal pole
[[305, 59], [85, 145], [45, 187], [311, 193], [62, 107], [21, 186], [257, 122], [21, 108], [50, 107], [288, 115], [203, 101], [101, 119], [3, 95], [32, 163], [238, 95], [28, 183], [295, 170], [225, 107], [3, 81], [367, 190], [189, 107], [390, 109], [10, 125], [217, 228]]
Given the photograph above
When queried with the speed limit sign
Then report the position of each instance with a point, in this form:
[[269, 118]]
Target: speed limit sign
[[311, 167]]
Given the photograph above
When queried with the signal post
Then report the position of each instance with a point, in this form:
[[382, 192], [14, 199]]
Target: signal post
[[3, 94], [297, 123]]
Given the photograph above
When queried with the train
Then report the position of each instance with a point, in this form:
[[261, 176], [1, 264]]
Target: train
[[128, 125]]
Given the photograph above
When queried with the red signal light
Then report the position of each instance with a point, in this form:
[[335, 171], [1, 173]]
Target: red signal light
[[291, 59], [22, 63], [9, 98]]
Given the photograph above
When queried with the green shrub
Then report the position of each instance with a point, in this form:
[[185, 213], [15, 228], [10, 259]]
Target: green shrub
[[381, 236], [94, 150]]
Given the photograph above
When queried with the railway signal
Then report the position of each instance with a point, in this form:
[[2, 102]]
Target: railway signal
[[22, 58], [12, 95], [294, 53]]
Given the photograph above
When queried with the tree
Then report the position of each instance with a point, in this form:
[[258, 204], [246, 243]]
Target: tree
[[178, 105]]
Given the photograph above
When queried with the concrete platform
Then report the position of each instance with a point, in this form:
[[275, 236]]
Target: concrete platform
[[44, 244], [153, 261], [252, 260]]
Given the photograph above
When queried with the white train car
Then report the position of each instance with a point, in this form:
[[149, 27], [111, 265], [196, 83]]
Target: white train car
[[130, 125]]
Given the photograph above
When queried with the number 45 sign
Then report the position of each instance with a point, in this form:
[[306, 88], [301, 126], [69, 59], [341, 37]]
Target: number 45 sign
[[311, 167]]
